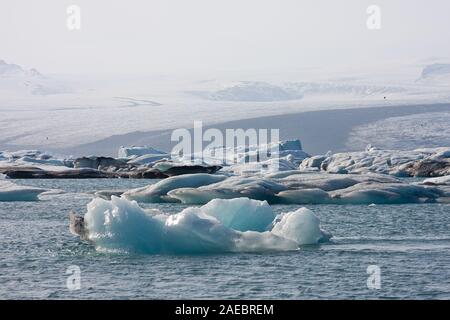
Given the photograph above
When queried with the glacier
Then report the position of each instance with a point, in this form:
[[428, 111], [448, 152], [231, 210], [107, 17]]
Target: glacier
[[73, 103], [120, 225]]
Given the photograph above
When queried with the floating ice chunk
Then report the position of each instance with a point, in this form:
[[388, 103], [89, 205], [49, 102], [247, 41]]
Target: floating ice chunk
[[328, 182], [292, 187], [420, 162], [158, 192], [312, 162], [121, 225], [46, 161], [263, 167], [32, 158], [445, 180], [385, 193], [192, 231], [285, 151], [12, 192], [301, 226], [127, 152], [241, 214], [107, 194], [148, 159], [233, 187]]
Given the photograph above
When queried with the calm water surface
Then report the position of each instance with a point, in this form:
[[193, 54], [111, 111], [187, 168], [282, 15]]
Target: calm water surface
[[409, 243]]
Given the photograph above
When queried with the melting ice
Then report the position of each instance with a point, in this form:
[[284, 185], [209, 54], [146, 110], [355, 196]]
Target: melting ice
[[237, 225]]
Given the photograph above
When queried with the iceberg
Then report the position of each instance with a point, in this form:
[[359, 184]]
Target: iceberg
[[232, 187], [133, 151], [427, 162], [158, 191], [445, 180], [386, 193], [33, 164], [12, 192], [148, 159], [292, 187], [301, 226], [262, 167], [241, 214], [256, 154], [121, 225]]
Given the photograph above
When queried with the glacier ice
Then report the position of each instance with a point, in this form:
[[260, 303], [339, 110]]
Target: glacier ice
[[405, 132], [257, 91], [426, 162], [232, 187], [148, 159], [436, 74], [290, 150], [137, 151], [386, 193], [12, 192], [445, 180], [121, 225], [301, 226], [241, 214], [292, 187], [158, 191]]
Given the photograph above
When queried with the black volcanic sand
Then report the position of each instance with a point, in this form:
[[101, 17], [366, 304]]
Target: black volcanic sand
[[319, 131]]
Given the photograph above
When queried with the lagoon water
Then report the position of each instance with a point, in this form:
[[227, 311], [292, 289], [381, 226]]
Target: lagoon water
[[409, 243]]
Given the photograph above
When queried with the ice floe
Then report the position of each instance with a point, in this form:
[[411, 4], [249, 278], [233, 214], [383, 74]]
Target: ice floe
[[122, 225], [137, 151], [291, 187], [241, 214], [259, 154], [31, 164], [445, 180], [158, 192], [10, 191], [427, 162]]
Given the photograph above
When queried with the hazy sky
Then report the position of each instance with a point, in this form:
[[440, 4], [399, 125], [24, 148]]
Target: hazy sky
[[180, 35]]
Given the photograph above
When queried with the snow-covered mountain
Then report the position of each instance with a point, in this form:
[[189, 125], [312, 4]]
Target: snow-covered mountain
[[16, 80], [436, 74], [263, 91], [435, 70], [67, 110], [252, 91], [10, 69]]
